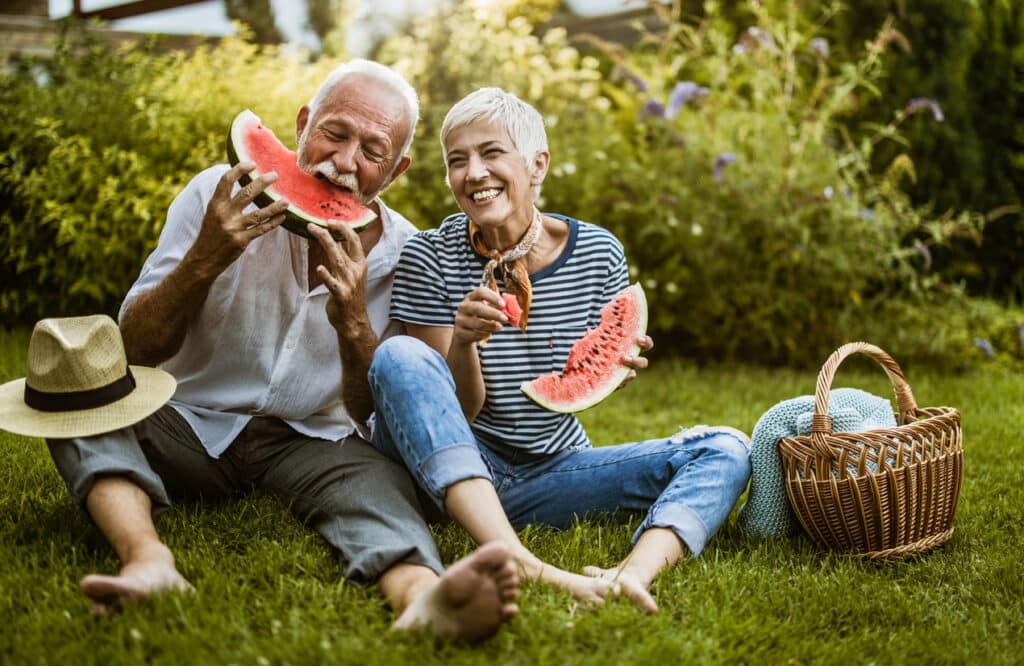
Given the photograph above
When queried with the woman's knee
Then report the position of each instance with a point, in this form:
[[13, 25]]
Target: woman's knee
[[403, 354], [733, 453], [728, 450]]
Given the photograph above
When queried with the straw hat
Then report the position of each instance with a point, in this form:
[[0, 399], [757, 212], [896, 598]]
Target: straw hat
[[79, 382]]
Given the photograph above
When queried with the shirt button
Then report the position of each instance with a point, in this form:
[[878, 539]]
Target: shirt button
[[290, 344], [273, 389]]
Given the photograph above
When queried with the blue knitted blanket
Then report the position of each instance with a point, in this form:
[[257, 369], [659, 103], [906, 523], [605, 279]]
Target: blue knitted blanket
[[766, 512]]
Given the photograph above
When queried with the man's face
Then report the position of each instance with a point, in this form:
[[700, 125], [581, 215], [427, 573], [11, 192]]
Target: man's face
[[355, 138]]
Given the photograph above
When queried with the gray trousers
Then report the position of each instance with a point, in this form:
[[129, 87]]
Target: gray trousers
[[363, 504]]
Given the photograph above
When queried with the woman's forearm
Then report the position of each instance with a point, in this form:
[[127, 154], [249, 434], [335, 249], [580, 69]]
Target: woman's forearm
[[464, 364]]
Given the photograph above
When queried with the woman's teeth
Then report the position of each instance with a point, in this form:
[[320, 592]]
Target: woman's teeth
[[485, 195]]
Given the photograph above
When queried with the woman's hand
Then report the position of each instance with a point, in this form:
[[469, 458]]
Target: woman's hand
[[637, 362], [479, 315]]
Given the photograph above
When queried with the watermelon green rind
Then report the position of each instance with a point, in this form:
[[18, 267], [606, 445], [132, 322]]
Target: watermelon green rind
[[295, 218], [592, 388]]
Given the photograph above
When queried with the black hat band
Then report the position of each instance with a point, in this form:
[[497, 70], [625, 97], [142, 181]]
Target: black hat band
[[70, 401]]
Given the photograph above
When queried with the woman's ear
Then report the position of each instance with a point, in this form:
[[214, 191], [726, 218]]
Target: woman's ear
[[539, 167]]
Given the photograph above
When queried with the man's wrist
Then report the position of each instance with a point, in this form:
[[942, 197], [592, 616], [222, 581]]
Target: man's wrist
[[199, 272], [354, 330]]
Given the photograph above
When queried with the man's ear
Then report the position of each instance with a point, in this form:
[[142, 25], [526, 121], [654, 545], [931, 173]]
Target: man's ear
[[539, 167], [300, 121], [403, 164]]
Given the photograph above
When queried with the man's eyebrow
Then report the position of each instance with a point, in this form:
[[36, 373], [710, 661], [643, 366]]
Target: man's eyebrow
[[346, 126], [337, 122]]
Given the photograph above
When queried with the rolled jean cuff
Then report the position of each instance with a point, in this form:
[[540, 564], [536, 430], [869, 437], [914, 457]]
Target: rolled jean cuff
[[448, 466], [685, 523]]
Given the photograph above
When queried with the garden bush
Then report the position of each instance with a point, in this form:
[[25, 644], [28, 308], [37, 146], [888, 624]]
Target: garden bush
[[95, 144], [969, 58], [752, 214], [966, 58]]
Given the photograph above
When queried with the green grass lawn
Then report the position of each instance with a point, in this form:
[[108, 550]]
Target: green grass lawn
[[269, 590]]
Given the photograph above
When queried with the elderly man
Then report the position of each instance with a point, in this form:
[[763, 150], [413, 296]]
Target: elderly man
[[269, 336]]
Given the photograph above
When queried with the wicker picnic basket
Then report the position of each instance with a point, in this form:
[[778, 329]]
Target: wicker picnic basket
[[881, 494]]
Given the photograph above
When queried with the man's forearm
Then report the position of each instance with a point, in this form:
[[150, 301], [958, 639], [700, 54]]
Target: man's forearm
[[153, 325], [357, 347]]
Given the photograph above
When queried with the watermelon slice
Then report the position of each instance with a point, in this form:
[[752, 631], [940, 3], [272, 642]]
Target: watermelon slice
[[511, 309], [310, 199], [594, 368]]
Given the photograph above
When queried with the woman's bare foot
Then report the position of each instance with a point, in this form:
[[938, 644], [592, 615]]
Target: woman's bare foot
[[624, 583], [589, 590], [700, 430], [474, 597], [149, 574]]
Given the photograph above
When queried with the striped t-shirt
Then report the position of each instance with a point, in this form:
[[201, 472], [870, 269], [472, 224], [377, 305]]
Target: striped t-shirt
[[438, 268]]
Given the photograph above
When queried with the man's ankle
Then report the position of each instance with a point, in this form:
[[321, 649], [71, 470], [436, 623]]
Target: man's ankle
[[148, 552]]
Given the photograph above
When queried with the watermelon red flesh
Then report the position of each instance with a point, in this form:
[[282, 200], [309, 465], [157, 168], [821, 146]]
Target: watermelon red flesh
[[511, 309], [594, 368], [310, 198]]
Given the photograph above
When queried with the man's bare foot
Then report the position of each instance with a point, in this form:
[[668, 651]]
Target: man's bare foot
[[151, 574], [623, 583], [474, 597]]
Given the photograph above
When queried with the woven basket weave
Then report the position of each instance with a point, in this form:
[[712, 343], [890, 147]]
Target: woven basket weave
[[882, 494]]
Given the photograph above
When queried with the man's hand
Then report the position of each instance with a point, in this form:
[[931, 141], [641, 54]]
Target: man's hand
[[226, 230], [478, 316], [635, 363], [344, 275]]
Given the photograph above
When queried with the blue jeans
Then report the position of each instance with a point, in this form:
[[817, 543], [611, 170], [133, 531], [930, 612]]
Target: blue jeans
[[687, 483]]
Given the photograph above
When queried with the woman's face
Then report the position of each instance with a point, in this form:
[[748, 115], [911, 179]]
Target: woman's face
[[488, 176]]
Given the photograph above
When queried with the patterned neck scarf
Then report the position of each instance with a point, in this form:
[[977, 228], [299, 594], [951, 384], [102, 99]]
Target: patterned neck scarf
[[514, 274]]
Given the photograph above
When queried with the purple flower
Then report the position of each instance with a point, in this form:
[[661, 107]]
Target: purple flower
[[921, 103], [985, 347], [632, 78], [866, 213], [681, 94], [722, 160], [819, 47], [761, 36], [652, 107]]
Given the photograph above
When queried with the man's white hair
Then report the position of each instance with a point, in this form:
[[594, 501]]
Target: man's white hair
[[524, 123], [380, 73]]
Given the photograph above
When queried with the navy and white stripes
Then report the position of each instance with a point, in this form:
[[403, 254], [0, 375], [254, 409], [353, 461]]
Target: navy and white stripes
[[438, 268]]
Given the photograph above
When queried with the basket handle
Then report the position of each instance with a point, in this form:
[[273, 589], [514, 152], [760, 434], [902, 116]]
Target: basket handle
[[821, 422]]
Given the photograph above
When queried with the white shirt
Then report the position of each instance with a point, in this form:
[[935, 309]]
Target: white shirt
[[261, 343]]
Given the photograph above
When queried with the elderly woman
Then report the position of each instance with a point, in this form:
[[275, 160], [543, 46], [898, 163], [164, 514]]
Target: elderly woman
[[449, 406]]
